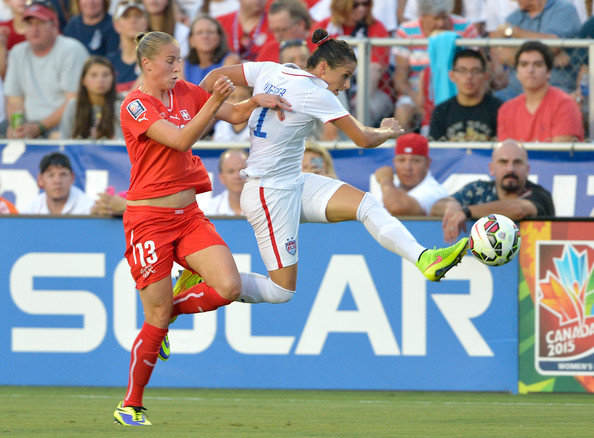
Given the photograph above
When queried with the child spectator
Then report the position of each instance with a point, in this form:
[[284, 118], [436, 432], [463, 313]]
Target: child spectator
[[95, 112]]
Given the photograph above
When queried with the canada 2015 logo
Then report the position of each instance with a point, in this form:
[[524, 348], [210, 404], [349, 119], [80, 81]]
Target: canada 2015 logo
[[564, 318]]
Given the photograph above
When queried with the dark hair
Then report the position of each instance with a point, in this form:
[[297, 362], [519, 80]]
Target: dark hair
[[335, 52], [83, 121], [54, 159], [296, 8], [470, 53], [537, 46], [220, 51]]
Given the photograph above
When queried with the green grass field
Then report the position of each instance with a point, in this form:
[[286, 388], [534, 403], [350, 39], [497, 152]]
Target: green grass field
[[74, 412]]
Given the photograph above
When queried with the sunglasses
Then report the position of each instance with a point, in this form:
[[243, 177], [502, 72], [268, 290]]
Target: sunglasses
[[365, 4], [292, 43]]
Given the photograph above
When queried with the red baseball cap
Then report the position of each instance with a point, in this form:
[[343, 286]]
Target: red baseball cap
[[41, 10], [412, 144]]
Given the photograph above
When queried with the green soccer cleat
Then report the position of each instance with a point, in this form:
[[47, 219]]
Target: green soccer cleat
[[434, 263], [185, 281], [130, 415]]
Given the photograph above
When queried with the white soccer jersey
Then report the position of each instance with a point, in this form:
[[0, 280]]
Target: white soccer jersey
[[276, 148]]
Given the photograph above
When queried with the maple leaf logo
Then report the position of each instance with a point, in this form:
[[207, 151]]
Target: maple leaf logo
[[569, 292]]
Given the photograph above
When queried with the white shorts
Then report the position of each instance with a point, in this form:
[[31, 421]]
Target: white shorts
[[275, 214]]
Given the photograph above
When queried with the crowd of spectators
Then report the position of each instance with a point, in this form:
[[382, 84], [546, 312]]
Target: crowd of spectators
[[66, 65]]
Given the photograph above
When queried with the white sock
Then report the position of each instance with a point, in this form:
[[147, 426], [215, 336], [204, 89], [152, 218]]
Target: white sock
[[256, 288], [387, 230]]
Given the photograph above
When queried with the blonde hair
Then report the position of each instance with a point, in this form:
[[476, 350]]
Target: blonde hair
[[149, 44], [328, 162]]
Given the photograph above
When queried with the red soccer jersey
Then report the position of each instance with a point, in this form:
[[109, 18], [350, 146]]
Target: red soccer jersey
[[245, 45], [158, 170], [557, 114]]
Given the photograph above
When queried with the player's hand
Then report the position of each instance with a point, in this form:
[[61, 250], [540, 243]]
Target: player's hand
[[392, 125], [454, 222], [273, 101], [223, 88], [384, 174]]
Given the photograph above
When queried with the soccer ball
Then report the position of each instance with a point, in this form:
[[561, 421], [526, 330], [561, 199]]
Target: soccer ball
[[494, 239]]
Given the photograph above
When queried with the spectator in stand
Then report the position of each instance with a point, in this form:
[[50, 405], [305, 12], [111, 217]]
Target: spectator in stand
[[60, 195], [411, 190], [294, 52], [353, 18], [434, 16], [225, 132], [162, 18], [287, 20], [542, 113], [537, 20], [93, 27], [317, 159], [385, 11], [510, 193], [208, 49], [213, 8], [227, 202], [471, 115], [471, 10], [129, 18], [247, 28], [37, 83], [95, 112], [11, 32]]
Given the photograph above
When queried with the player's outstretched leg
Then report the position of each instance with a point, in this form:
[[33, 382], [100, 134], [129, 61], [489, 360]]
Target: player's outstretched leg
[[434, 263], [185, 280], [130, 415]]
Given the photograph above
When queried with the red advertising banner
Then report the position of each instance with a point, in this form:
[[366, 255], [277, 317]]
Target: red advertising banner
[[556, 292]]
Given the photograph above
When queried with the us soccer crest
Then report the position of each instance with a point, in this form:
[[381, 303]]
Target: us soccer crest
[[291, 246], [564, 318]]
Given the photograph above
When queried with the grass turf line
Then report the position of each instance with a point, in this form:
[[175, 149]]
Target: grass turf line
[[81, 411]]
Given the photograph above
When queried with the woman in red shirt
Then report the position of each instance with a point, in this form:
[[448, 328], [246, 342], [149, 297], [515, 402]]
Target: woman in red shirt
[[161, 120]]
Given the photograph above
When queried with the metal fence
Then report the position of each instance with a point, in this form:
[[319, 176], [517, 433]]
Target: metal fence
[[579, 52]]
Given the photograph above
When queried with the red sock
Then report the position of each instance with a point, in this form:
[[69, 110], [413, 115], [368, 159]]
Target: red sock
[[142, 362], [198, 298]]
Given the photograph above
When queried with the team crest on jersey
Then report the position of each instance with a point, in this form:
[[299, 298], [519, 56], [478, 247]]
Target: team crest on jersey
[[291, 246], [185, 115], [136, 108]]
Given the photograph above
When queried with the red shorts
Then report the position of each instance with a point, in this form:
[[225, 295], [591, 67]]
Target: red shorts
[[157, 236]]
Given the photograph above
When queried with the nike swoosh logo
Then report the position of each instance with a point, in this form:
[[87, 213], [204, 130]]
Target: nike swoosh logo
[[439, 259]]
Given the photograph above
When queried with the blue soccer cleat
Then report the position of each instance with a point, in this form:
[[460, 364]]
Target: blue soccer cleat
[[130, 415]]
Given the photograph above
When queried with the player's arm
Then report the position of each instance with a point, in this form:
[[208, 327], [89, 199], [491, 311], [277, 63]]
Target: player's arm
[[240, 112], [365, 136], [233, 72], [182, 139]]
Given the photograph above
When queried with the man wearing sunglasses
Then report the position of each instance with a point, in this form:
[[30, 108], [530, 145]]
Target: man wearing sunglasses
[[42, 74]]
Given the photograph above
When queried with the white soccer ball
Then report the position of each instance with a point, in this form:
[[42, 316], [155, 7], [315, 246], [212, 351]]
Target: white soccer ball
[[494, 239]]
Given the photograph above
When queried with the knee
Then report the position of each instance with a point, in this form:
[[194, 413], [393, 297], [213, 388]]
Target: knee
[[159, 315], [278, 294], [230, 289]]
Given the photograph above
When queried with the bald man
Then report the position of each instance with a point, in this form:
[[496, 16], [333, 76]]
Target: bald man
[[509, 194]]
